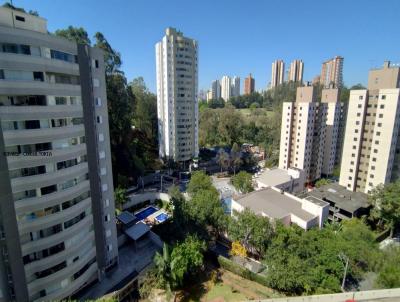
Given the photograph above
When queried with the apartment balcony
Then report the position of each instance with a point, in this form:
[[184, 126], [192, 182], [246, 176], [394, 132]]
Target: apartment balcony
[[32, 204], [52, 260], [67, 272], [44, 243], [47, 179], [74, 286], [9, 87], [35, 136], [38, 223], [37, 63], [16, 162], [12, 113]]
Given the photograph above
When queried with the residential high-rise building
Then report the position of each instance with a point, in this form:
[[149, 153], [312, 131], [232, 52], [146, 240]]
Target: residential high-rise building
[[309, 132], [177, 105], [216, 90], [209, 95], [371, 145], [57, 223], [296, 71], [235, 86], [277, 73], [249, 85], [332, 72], [226, 88]]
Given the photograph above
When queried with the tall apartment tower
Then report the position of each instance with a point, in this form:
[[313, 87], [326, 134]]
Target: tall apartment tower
[[296, 71], [226, 88], [57, 223], [371, 145], [249, 85], [277, 73], [332, 73], [177, 106], [235, 86], [215, 90], [309, 132]]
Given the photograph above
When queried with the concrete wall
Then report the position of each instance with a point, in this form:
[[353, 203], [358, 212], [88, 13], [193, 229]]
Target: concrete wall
[[370, 296], [139, 198]]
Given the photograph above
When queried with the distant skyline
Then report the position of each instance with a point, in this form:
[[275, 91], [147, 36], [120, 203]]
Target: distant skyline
[[257, 33]]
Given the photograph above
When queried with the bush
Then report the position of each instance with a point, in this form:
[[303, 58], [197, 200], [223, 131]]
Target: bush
[[241, 271]]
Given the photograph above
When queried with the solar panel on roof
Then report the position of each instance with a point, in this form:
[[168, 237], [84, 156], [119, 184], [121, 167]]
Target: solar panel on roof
[[126, 217]]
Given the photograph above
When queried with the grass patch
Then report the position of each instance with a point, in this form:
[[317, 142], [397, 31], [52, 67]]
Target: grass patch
[[224, 292]]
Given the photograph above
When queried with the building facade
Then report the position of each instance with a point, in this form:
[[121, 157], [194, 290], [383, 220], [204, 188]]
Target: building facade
[[226, 88], [371, 145], [57, 220], [215, 90], [296, 71], [177, 105], [332, 72], [249, 85], [235, 86], [277, 73], [309, 132]]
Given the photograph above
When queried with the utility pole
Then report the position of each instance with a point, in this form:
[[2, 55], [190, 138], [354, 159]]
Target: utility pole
[[343, 257]]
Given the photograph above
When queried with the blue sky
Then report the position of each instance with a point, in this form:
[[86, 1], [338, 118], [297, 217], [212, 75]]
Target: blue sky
[[237, 37]]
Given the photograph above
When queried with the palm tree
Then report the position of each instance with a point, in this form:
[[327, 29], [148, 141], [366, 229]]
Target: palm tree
[[163, 267], [223, 159]]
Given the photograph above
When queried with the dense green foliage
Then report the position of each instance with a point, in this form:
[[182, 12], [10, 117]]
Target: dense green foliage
[[252, 231], [199, 181], [243, 182], [386, 205], [311, 262], [120, 197], [321, 182], [176, 264], [389, 269]]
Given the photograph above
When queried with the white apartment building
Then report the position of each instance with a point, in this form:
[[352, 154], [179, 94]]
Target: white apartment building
[[371, 145], [277, 73], [226, 88], [177, 104], [307, 141], [235, 86], [296, 71], [57, 214]]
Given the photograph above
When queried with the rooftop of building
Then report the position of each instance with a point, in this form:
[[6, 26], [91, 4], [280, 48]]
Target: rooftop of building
[[274, 203], [342, 198], [274, 177]]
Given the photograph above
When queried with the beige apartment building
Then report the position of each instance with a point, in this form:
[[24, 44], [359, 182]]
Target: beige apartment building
[[296, 71], [277, 73], [371, 145], [309, 132], [332, 72]]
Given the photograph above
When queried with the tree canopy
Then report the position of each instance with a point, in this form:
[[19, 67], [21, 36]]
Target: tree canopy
[[243, 182]]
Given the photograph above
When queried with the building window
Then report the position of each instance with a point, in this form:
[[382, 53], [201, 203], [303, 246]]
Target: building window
[[359, 105], [360, 98], [383, 97], [20, 18], [104, 187], [103, 171], [96, 83], [99, 119], [98, 102], [96, 63], [107, 203], [102, 154], [101, 137], [107, 218]]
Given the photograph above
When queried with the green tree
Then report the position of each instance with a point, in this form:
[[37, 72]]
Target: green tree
[[386, 204], [243, 182], [223, 159], [236, 159], [179, 207], [199, 181], [76, 34], [253, 231], [163, 268], [389, 272], [321, 182], [206, 209], [120, 197], [187, 258]]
